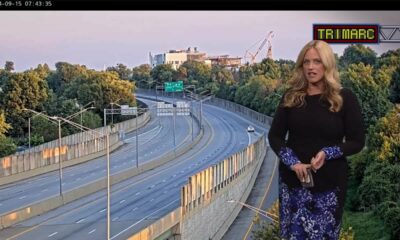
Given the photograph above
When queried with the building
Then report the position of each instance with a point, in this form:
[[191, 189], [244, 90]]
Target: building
[[226, 61], [177, 57]]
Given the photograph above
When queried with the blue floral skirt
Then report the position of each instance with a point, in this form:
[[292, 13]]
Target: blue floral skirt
[[308, 216]]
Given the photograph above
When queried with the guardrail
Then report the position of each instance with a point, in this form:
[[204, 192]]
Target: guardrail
[[203, 185], [204, 212]]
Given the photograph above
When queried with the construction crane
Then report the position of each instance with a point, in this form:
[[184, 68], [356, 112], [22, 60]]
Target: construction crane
[[252, 56]]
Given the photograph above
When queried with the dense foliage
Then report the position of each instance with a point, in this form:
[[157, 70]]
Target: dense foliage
[[61, 92]]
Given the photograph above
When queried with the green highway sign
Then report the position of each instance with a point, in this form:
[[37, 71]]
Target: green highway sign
[[173, 86]]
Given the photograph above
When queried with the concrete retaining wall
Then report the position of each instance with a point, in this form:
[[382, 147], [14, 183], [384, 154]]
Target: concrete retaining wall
[[209, 216], [75, 149]]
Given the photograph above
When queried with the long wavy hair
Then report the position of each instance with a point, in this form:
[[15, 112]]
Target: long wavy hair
[[298, 84]]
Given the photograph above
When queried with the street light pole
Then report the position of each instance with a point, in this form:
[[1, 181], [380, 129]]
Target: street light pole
[[191, 114], [59, 157], [174, 120], [29, 132], [137, 140], [107, 135], [108, 187], [58, 121]]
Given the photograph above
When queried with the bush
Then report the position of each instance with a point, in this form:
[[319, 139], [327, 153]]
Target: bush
[[7, 146], [390, 212]]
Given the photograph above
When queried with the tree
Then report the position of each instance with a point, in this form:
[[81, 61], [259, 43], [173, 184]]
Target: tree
[[9, 66], [4, 127], [223, 79], [254, 91], [7, 146], [141, 75], [372, 95], [162, 73], [286, 69], [384, 137], [43, 70], [268, 68], [395, 86], [102, 88], [389, 58], [123, 71], [245, 73], [197, 73], [355, 54], [23, 90], [64, 74]]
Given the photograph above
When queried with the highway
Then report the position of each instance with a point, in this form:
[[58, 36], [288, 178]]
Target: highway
[[155, 133], [141, 200]]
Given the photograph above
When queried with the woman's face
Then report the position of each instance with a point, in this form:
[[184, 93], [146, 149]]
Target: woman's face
[[313, 69]]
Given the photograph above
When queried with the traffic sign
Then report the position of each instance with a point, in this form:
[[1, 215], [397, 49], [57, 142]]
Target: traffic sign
[[182, 108], [126, 110], [173, 86], [164, 109]]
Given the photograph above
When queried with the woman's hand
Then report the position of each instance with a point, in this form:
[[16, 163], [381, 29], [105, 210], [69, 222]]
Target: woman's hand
[[301, 170], [318, 161]]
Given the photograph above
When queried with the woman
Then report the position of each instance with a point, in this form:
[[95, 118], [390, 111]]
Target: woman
[[323, 124]]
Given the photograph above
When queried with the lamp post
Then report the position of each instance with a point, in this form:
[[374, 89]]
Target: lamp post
[[81, 110], [264, 213], [108, 166], [54, 120], [29, 129], [57, 121]]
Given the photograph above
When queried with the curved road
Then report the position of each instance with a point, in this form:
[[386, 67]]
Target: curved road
[[141, 200]]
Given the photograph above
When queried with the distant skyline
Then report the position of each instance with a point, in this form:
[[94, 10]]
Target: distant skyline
[[106, 38]]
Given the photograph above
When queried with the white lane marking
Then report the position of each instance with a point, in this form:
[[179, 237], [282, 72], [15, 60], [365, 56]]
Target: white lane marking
[[22, 197], [92, 231], [80, 220], [122, 201], [44, 190], [141, 220], [102, 210], [134, 209], [116, 218], [54, 233], [137, 193], [248, 134]]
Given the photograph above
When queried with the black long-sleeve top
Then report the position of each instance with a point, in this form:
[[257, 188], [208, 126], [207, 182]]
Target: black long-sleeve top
[[312, 128]]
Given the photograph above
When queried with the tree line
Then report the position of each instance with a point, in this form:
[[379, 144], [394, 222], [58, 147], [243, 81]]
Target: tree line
[[60, 92]]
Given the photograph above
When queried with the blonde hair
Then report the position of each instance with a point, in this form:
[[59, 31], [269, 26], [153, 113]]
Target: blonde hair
[[295, 96]]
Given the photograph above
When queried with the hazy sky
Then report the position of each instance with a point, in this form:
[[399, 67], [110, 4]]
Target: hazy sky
[[105, 38]]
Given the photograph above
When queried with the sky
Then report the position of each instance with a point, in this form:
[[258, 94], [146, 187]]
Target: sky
[[106, 38]]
